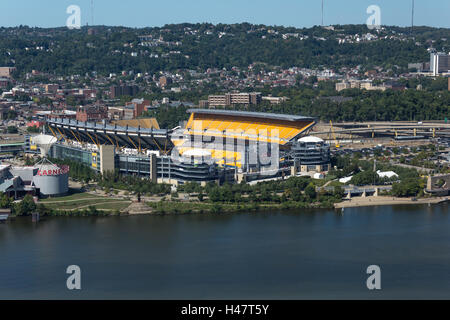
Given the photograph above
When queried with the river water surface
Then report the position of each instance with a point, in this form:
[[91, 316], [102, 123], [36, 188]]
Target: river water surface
[[305, 254]]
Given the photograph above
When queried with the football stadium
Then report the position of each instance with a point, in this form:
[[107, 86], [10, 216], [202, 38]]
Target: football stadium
[[213, 145]]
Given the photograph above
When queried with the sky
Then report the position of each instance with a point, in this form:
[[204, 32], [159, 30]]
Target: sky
[[149, 13]]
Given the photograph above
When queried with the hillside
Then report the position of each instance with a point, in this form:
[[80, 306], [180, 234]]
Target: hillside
[[201, 46]]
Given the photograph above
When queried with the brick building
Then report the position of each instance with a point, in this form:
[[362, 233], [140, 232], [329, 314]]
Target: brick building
[[92, 113], [139, 106]]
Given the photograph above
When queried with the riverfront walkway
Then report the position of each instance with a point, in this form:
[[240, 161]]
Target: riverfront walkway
[[386, 200]]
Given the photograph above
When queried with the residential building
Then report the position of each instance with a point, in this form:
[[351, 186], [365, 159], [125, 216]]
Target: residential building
[[342, 86], [229, 99], [164, 81], [4, 82], [6, 72], [420, 67], [203, 104], [51, 88], [275, 100]]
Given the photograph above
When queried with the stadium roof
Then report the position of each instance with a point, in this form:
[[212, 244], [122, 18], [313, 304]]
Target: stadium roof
[[275, 116], [104, 126]]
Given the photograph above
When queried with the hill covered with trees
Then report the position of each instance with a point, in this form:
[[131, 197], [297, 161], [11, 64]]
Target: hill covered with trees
[[200, 46]]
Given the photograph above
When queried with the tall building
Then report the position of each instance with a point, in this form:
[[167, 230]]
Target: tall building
[[439, 63], [229, 99], [117, 91]]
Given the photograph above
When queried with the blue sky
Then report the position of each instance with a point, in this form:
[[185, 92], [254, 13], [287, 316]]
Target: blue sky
[[298, 13]]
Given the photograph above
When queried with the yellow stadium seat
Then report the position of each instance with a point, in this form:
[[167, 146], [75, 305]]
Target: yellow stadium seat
[[249, 128]]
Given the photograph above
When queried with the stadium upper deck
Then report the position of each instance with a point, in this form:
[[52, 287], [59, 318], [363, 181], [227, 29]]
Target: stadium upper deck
[[121, 136], [262, 127]]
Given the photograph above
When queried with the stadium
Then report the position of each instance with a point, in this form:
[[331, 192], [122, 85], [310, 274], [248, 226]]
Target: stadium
[[213, 145]]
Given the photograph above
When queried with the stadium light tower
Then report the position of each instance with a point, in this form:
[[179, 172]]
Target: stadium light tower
[[322, 13], [92, 12]]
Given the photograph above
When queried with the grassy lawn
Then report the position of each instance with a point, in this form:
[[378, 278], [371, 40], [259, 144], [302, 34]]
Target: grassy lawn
[[120, 205], [82, 200], [82, 196], [98, 203], [63, 205], [336, 184]]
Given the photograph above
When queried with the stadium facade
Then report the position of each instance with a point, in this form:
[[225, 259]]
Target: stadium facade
[[214, 145]]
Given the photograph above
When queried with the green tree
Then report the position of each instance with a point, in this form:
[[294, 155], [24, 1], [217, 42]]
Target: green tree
[[407, 188], [12, 129], [5, 201], [214, 194], [338, 192], [310, 191], [25, 207]]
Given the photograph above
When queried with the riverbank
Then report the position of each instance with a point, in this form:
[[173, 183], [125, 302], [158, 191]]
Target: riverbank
[[90, 204], [176, 206], [187, 207], [386, 201]]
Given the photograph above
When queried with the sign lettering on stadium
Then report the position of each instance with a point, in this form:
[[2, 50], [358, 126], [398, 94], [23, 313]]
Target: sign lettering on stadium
[[53, 172]]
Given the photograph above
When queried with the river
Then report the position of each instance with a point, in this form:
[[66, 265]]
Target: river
[[305, 254]]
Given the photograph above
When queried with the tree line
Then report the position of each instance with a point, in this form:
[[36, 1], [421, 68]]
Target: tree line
[[66, 52]]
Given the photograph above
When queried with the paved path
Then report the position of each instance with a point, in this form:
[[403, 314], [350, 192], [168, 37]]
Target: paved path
[[381, 201], [412, 167], [96, 204], [72, 200]]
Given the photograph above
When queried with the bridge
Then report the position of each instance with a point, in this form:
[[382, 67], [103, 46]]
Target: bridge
[[426, 128], [363, 191]]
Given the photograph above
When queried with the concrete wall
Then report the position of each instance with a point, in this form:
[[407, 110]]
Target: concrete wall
[[168, 181], [153, 168], [319, 168], [432, 180], [107, 158]]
